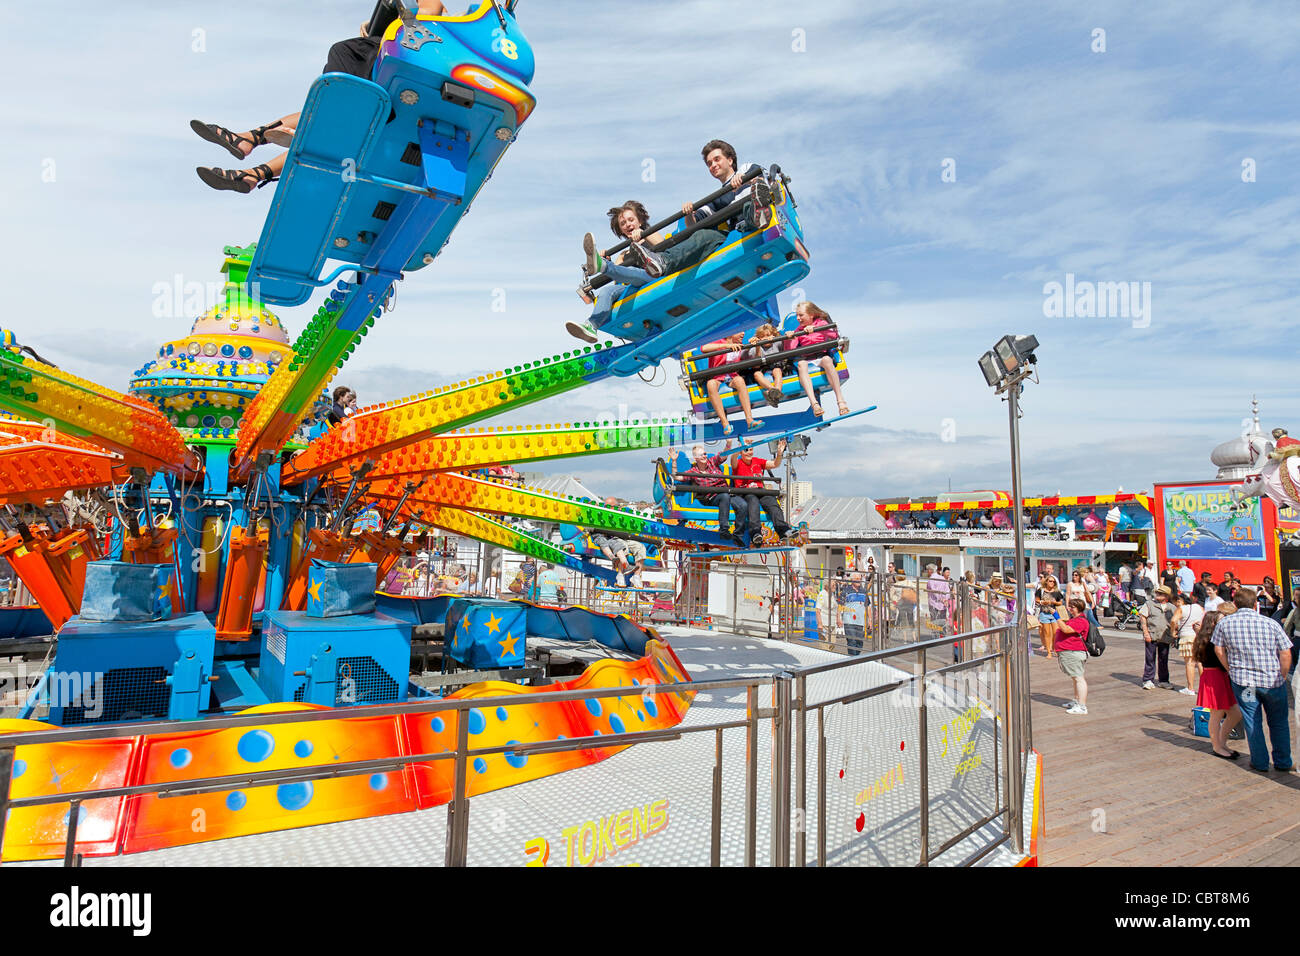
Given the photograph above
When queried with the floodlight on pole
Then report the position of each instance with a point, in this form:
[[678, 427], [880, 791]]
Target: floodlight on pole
[[1005, 368]]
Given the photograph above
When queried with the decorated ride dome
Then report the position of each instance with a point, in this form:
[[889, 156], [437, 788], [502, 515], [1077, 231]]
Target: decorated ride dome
[[204, 382]]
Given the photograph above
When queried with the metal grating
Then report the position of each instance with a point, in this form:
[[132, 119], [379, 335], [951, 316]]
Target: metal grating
[[128, 693], [734, 283], [360, 680], [411, 155], [383, 210]]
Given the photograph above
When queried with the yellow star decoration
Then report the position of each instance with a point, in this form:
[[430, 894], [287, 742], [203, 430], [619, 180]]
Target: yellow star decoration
[[493, 624], [465, 623], [508, 645], [314, 590]]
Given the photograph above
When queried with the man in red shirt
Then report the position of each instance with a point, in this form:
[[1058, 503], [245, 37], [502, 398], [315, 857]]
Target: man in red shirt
[[750, 464]]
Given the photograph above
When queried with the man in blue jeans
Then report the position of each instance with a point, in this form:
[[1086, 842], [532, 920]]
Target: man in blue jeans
[[1257, 654]]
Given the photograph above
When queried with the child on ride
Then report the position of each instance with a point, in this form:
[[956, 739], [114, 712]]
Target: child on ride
[[722, 353], [764, 345], [816, 328]]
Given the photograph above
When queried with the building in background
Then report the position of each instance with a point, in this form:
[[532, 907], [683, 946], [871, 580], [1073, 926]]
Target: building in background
[[801, 492]]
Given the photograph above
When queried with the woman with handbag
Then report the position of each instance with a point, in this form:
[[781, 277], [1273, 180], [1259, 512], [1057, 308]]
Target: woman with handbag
[[1049, 600], [1187, 618]]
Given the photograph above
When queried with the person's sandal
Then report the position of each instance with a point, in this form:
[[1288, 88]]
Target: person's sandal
[[231, 141], [236, 179], [816, 409], [843, 409]]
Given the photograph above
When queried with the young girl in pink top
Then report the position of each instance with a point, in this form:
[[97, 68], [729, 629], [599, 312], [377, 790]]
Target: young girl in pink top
[[816, 328], [722, 353]]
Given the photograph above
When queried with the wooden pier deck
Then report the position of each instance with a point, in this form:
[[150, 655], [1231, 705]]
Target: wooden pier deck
[[1129, 785]]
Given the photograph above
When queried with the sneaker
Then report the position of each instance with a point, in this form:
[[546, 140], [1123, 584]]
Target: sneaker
[[636, 580], [1166, 685], [654, 262], [1149, 685], [1069, 704], [595, 264], [620, 580], [1077, 709], [582, 330], [1188, 691]]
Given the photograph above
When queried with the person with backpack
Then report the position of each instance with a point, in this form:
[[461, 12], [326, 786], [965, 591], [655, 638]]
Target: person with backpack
[[1072, 652], [1155, 616]]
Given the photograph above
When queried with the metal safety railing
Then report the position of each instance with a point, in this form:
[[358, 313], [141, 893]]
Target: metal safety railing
[[831, 732]]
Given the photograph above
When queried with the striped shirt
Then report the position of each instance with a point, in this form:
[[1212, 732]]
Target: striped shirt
[[1252, 643]]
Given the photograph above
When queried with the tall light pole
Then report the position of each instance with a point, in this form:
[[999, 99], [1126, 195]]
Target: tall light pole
[[1006, 366]]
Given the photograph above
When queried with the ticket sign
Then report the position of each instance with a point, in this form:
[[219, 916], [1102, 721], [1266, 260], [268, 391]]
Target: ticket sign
[[1200, 521]]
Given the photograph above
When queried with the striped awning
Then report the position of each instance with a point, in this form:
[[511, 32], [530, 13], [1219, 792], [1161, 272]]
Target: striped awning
[[1058, 501]]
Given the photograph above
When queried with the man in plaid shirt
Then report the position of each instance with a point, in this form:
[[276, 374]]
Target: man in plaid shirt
[[1257, 654]]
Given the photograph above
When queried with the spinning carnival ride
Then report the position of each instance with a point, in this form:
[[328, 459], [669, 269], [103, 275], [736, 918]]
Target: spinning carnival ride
[[211, 470]]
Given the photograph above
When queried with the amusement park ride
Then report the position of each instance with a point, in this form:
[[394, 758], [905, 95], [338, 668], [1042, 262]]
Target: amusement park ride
[[212, 476]]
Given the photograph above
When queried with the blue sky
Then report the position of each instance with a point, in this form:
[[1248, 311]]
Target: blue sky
[[1117, 166]]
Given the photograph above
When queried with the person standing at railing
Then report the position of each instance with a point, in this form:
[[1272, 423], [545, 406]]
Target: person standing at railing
[[936, 592], [854, 614]]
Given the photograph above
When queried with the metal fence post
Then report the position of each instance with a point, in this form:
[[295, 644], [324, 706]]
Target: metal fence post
[[751, 773], [458, 807], [70, 855], [715, 824], [801, 783], [925, 767], [6, 774], [781, 772], [821, 786]]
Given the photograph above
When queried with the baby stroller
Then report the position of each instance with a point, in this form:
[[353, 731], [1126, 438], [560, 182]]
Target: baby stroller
[[1124, 611]]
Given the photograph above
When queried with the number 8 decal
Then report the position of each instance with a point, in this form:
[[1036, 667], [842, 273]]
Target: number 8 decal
[[506, 47]]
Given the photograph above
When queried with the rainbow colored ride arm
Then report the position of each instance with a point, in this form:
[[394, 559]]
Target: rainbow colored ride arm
[[382, 428], [483, 494], [466, 450], [84, 409], [489, 531]]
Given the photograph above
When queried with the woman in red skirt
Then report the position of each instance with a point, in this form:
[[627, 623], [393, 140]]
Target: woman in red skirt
[[1215, 692]]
